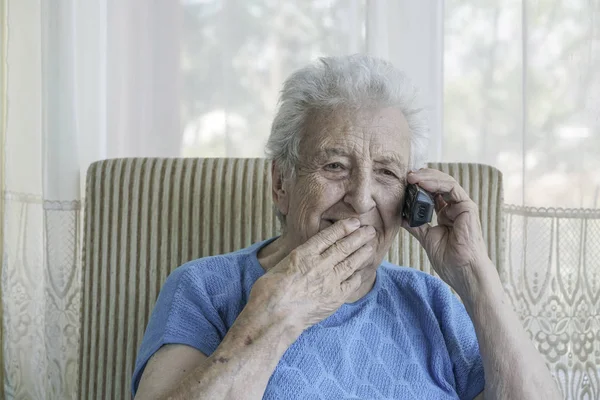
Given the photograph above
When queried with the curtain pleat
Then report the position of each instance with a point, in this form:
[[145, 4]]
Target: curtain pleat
[[3, 115]]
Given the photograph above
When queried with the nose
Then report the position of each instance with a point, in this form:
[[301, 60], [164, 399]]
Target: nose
[[359, 194]]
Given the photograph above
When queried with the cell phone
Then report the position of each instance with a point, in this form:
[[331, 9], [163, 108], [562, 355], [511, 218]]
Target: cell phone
[[418, 206]]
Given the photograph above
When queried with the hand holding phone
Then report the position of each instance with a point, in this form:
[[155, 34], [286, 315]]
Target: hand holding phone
[[418, 206]]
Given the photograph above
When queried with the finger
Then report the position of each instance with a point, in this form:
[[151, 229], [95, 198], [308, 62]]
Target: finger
[[328, 236], [418, 232], [454, 210], [442, 217], [351, 284], [346, 246], [440, 203], [468, 215], [435, 181], [441, 207], [348, 266]]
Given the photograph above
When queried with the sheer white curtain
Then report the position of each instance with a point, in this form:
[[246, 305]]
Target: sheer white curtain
[[86, 80], [509, 83], [521, 84]]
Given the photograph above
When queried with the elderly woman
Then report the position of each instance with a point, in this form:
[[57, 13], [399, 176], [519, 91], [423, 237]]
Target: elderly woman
[[315, 313]]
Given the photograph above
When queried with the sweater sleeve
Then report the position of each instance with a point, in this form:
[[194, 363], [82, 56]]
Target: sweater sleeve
[[183, 314], [461, 342]]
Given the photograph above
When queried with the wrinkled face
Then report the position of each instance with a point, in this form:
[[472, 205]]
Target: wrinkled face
[[352, 164]]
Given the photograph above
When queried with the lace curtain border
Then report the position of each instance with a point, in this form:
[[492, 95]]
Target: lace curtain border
[[30, 198], [557, 212]]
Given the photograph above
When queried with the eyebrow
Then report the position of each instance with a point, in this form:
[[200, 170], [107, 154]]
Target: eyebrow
[[387, 159], [334, 151], [391, 159]]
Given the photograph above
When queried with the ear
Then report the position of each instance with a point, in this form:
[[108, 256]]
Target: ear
[[281, 197]]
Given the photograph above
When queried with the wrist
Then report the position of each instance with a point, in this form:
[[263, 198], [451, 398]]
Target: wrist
[[272, 322], [482, 284]]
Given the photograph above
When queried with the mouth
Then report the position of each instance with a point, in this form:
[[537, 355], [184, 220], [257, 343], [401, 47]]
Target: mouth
[[331, 221]]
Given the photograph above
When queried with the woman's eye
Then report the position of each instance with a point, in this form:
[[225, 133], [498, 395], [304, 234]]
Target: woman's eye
[[334, 166], [388, 172]]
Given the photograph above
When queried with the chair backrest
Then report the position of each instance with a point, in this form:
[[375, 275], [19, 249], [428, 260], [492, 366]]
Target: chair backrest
[[144, 217]]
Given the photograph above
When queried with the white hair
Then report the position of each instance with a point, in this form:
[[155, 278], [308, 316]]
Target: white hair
[[354, 82]]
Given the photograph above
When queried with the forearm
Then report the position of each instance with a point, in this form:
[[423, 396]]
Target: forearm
[[513, 368], [244, 361]]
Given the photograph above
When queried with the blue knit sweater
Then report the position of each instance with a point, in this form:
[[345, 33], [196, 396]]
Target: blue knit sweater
[[408, 338]]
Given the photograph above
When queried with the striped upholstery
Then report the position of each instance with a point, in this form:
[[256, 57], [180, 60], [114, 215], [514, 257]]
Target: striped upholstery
[[144, 217]]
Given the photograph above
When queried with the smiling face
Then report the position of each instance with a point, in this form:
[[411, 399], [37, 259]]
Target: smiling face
[[352, 164]]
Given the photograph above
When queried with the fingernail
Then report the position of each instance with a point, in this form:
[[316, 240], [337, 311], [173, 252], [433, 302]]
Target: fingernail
[[354, 222]]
